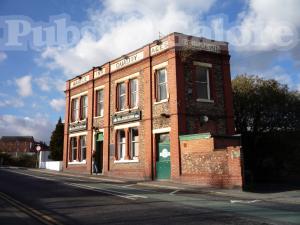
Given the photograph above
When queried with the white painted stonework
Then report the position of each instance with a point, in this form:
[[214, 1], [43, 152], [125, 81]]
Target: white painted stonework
[[125, 62]]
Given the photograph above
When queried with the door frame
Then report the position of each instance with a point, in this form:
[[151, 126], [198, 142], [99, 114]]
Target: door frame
[[156, 153]]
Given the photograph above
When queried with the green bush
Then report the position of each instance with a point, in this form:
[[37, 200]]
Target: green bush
[[5, 159], [21, 161]]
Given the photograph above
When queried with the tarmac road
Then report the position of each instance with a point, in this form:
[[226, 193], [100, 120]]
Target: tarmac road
[[33, 197]]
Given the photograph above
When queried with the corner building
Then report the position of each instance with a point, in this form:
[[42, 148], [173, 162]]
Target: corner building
[[163, 111]]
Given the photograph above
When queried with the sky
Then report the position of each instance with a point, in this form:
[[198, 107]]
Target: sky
[[43, 43]]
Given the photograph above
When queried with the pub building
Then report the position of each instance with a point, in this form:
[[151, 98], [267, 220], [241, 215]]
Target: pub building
[[163, 111]]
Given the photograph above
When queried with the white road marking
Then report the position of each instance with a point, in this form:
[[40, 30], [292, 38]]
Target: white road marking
[[30, 175], [111, 192], [244, 201], [128, 185], [174, 192]]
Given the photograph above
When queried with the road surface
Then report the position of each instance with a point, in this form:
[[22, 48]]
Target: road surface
[[32, 197]]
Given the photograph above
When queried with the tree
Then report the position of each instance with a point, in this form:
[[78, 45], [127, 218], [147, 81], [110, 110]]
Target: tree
[[57, 141], [264, 105]]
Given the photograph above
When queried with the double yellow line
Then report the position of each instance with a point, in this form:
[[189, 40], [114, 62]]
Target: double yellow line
[[30, 211]]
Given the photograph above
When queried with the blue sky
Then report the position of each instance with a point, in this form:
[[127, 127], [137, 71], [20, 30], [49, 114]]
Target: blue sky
[[263, 37]]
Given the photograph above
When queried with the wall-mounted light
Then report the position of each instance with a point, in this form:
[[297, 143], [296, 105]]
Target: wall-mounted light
[[166, 115], [203, 119], [125, 56], [96, 129], [157, 42]]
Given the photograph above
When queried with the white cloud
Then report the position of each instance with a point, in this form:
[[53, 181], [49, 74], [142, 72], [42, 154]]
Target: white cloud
[[12, 102], [270, 25], [124, 26], [24, 86], [48, 83], [38, 126], [3, 56], [58, 104]]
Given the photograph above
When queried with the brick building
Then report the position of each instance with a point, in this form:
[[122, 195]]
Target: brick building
[[163, 111], [17, 145]]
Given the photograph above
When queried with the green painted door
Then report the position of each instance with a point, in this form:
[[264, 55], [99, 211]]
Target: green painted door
[[163, 164]]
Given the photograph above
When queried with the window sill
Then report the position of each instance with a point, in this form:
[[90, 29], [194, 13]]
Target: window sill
[[162, 101], [77, 162], [78, 121], [98, 117], [127, 110], [122, 111], [126, 161], [205, 100]]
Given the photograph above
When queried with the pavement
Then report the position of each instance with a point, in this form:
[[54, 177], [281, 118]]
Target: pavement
[[291, 196]]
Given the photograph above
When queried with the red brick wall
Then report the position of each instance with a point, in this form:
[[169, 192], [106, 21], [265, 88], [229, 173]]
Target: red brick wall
[[203, 164]]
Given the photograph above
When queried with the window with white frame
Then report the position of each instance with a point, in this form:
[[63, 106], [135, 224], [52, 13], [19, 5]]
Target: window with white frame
[[73, 148], [161, 81], [134, 143], [82, 148], [84, 106], [121, 91], [121, 144], [75, 109], [100, 102], [133, 93], [202, 82]]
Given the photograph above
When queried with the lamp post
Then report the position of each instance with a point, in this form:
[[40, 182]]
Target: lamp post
[[38, 149]]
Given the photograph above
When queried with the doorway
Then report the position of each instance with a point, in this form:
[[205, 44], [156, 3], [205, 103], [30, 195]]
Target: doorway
[[163, 163], [99, 152]]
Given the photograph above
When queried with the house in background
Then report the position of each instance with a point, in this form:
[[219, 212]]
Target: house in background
[[20, 145]]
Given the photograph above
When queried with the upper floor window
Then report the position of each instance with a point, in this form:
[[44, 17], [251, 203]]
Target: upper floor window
[[202, 82], [75, 109], [84, 106], [82, 148], [100, 102], [161, 82], [121, 92], [133, 93]]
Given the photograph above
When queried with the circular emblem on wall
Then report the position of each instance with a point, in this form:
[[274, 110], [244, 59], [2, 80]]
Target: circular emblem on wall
[[165, 153]]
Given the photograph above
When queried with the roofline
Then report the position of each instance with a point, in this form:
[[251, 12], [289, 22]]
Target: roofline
[[173, 33]]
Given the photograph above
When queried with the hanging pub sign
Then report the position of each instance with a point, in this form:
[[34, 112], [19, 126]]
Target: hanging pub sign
[[127, 117], [78, 126]]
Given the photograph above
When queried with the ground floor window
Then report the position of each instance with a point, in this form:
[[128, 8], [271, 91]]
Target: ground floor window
[[134, 145], [127, 144], [121, 144], [73, 148], [82, 148]]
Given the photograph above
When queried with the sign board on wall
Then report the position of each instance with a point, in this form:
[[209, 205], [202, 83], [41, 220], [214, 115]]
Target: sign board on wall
[[78, 126], [99, 73], [127, 117], [127, 61], [196, 43], [159, 48], [79, 81]]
